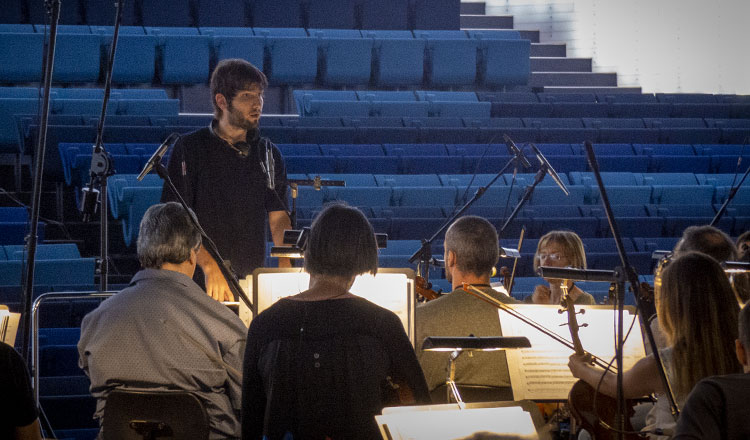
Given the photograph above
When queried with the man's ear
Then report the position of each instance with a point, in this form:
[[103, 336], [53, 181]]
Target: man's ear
[[741, 352], [221, 101], [450, 259]]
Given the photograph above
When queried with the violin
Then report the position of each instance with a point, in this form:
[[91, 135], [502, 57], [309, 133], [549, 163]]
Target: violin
[[592, 409], [507, 276], [424, 289]]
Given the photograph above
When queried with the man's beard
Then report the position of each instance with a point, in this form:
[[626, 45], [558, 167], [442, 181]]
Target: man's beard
[[237, 119]]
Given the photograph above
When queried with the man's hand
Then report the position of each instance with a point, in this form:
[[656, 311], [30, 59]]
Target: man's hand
[[541, 294], [216, 286]]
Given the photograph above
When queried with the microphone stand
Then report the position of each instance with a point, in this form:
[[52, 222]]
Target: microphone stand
[[208, 244], [28, 290], [424, 254], [732, 193], [316, 183], [626, 271], [525, 198], [101, 168]]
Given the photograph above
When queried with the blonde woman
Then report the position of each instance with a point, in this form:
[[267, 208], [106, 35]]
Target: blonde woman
[[559, 249]]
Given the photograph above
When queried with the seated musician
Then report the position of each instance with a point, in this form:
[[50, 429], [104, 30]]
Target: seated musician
[[559, 249], [699, 316], [18, 411], [705, 239], [471, 251], [717, 407], [323, 363], [163, 332], [743, 246]]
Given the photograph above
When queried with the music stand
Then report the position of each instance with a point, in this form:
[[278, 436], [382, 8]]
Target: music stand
[[457, 345]]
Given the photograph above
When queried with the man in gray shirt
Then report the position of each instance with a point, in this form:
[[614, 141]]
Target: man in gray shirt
[[471, 251], [163, 332]]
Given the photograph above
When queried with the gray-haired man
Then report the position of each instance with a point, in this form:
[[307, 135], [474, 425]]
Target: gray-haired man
[[163, 332]]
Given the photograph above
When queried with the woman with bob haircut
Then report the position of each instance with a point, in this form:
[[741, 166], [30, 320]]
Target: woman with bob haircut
[[559, 249], [323, 363], [698, 313]]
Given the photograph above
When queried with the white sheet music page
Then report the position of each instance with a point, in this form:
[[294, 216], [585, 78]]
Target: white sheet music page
[[541, 372]]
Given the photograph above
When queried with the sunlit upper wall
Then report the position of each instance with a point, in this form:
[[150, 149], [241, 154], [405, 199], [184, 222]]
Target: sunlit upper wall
[[661, 45]]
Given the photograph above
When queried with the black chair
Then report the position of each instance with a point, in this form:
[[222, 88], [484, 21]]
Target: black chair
[[144, 415]]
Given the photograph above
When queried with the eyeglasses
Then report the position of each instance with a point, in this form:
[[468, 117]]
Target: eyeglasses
[[550, 257]]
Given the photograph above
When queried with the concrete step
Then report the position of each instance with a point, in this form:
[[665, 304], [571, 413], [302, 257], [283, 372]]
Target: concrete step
[[486, 21], [560, 64], [610, 90], [573, 79], [473, 8], [533, 36], [548, 49]]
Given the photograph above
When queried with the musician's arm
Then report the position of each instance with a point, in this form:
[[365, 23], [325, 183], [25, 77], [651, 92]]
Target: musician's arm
[[641, 380], [278, 222]]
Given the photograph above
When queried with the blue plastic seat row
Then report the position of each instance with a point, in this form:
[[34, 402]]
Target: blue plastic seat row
[[420, 14]]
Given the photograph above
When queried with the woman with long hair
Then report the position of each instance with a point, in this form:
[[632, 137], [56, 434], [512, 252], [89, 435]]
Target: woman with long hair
[[698, 313]]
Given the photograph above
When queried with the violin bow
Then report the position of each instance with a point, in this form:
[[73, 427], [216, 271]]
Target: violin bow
[[468, 288]]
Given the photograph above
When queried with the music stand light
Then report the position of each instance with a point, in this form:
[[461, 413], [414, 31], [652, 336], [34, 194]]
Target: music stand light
[[457, 345]]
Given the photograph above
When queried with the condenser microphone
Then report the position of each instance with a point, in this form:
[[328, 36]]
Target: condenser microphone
[[158, 155], [513, 150], [551, 171]]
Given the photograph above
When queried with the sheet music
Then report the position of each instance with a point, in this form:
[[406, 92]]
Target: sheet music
[[8, 325], [454, 424], [541, 372]]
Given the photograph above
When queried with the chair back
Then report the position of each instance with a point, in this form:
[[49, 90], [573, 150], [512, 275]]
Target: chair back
[[140, 415]]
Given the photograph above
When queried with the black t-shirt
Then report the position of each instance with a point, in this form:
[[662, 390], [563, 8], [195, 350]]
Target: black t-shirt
[[228, 193], [322, 369], [717, 408], [17, 405]]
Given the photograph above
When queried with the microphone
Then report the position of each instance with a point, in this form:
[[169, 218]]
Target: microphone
[[158, 154], [565, 273], [270, 167], [513, 150], [549, 170]]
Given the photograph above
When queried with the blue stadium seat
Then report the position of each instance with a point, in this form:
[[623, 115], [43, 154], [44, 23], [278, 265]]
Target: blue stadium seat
[[682, 194], [133, 60], [493, 34], [10, 140], [61, 251], [717, 179], [293, 59], [70, 13], [578, 110], [421, 180], [12, 12], [436, 14], [356, 196], [331, 108], [102, 13], [650, 244], [366, 180], [639, 110], [447, 109], [392, 96], [373, 16], [504, 62], [152, 107], [373, 121], [415, 149], [352, 150], [441, 96], [552, 122], [404, 135], [384, 109], [552, 195], [685, 98], [183, 58], [345, 57], [667, 179], [177, 14], [276, 13], [609, 149], [247, 47], [228, 13], [627, 98], [623, 195], [77, 58], [299, 149], [429, 164], [621, 178], [552, 97], [476, 149], [327, 135], [333, 14], [524, 179], [514, 97], [612, 123], [398, 58], [702, 110], [451, 62], [742, 197], [424, 196]]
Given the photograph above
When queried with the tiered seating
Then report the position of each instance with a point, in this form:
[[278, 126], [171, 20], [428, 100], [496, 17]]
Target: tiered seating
[[14, 225]]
